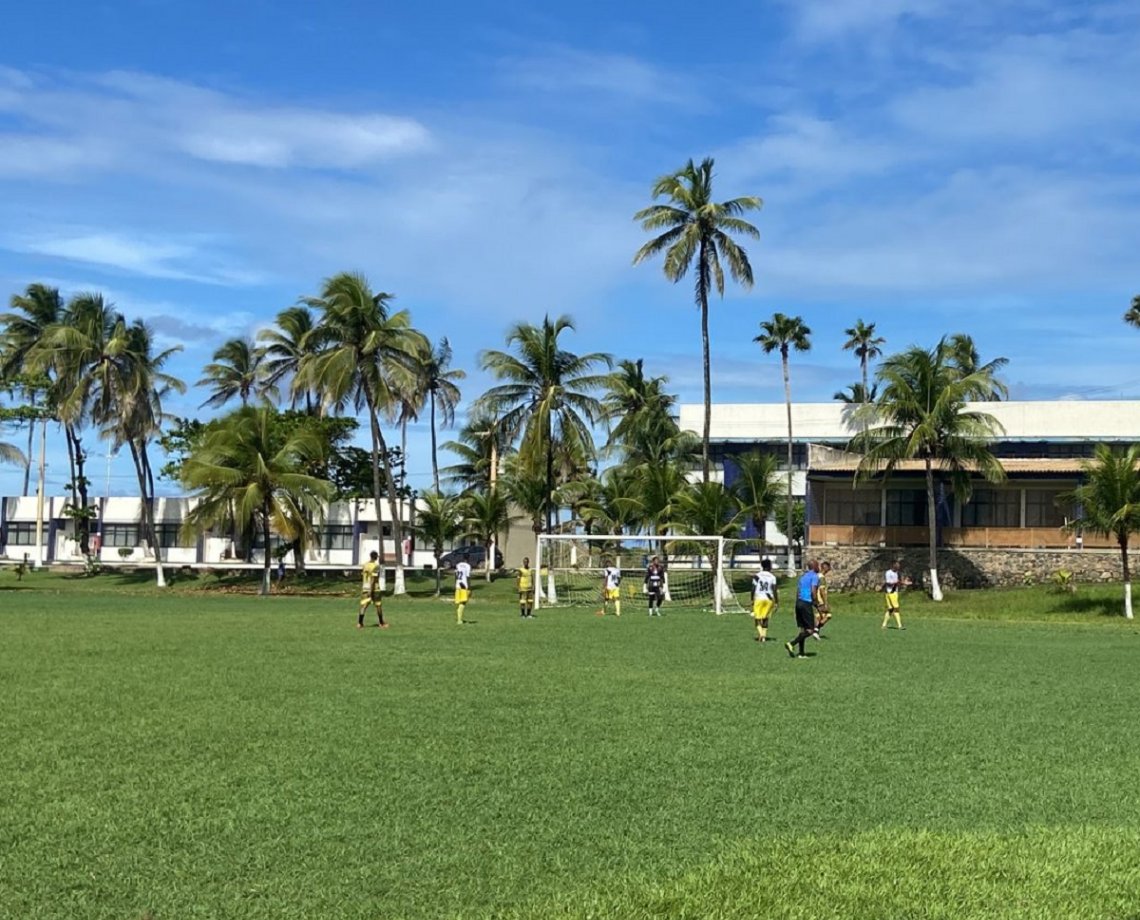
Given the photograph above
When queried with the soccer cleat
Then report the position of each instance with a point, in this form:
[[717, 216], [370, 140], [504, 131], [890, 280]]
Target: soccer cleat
[[383, 625], [791, 649], [803, 656]]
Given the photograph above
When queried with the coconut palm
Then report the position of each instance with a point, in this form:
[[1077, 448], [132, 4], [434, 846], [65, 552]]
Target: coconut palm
[[482, 446], [439, 381], [486, 515], [783, 334], [696, 228], [1109, 503], [546, 397], [283, 348], [855, 395], [867, 346], [964, 354], [237, 372], [1132, 316], [439, 522], [251, 468], [757, 489], [612, 504], [708, 509], [922, 415], [364, 355], [641, 409]]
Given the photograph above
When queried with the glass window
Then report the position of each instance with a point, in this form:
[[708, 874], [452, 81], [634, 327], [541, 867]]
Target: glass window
[[906, 507], [335, 536], [993, 508], [121, 535], [860, 507], [24, 534], [1041, 509], [170, 536]]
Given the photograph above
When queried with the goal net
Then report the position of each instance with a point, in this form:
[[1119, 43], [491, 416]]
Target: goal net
[[571, 569]]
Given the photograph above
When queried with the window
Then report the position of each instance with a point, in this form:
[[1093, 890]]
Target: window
[[993, 508], [335, 536], [860, 507], [275, 541], [906, 507], [1041, 508], [121, 535], [22, 534], [169, 536]]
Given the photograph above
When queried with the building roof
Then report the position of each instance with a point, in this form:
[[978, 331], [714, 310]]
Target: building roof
[[1063, 420], [829, 460]]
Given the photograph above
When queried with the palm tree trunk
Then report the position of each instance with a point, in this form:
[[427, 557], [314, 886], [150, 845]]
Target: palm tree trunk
[[549, 470], [438, 550], [791, 569], [28, 455], [147, 510], [932, 527], [265, 580], [1123, 540], [380, 447], [707, 429], [434, 457]]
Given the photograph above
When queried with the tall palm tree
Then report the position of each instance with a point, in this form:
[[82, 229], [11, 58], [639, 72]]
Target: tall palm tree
[[284, 347], [639, 409], [867, 346], [1132, 316], [783, 333], [697, 228], [1109, 500], [237, 372], [855, 395], [922, 414], [546, 396], [482, 446], [757, 489], [439, 381], [439, 521], [251, 468], [365, 355]]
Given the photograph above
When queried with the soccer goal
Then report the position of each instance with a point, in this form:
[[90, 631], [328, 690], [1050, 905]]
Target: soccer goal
[[571, 567]]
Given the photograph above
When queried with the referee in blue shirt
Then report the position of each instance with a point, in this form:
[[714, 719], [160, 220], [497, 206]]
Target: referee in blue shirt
[[807, 599]]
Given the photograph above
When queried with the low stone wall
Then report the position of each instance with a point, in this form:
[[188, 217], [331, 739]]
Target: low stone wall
[[862, 567]]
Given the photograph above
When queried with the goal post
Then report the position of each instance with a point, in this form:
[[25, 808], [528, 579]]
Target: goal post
[[570, 567]]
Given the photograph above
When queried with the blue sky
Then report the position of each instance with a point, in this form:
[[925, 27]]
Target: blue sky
[[930, 165]]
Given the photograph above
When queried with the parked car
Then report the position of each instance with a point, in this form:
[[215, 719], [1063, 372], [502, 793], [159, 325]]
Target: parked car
[[473, 555]]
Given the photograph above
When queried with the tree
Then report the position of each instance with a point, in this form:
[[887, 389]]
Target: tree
[[698, 229], [708, 509], [485, 516], [639, 409], [482, 445], [757, 489], [439, 521], [284, 348], [783, 333], [237, 371], [855, 395], [547, 394], [611, 503], [1108, 502], [439, 382], [922, 415], [867, 346], [250, 469], [1132, 316], [365, 355]]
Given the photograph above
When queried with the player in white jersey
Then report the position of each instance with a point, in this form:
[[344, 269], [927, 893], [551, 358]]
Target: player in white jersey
[[611, 588], [765, 597], [462, 590]]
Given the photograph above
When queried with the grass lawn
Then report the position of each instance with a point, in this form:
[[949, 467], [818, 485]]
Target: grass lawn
[[206, 753]]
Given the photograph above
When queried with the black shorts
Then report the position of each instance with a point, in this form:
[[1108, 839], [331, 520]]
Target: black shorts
[[805, 614], [656, 596]]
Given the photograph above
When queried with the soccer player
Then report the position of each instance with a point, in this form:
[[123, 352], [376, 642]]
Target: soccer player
[[370, 591], [807, 599], [655, 585], [611, 588], [462, 590], [891, 584], [525, 587], [823, 611], [765, 598]]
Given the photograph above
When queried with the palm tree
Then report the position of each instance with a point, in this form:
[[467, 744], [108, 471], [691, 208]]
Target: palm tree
[[696, 227], [237, 371], [612, 503], [364, 355], [439, 521], [855, 395], [1109, 503], [867, 346], [641, 408], [251, 468], [922, 414], [1132, 317], [284, 348], [757, 489], [485, 516], [783, 333], [709, 509], [482, 445], [964, 354], [547, 394], [439, 382]]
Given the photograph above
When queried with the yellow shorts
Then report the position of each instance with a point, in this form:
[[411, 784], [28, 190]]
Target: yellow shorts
[[462, 595], [892, 600], [613, 594], [762, 608], [371, 597]]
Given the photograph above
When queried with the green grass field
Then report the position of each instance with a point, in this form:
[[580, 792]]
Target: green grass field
[[200, 753]]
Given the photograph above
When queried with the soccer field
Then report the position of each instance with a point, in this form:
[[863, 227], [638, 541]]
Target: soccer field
[[209, 755]]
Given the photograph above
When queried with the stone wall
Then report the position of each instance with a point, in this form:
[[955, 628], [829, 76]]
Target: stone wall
[[862, 567]]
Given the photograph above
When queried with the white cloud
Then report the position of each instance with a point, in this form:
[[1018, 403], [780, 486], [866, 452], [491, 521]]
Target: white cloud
[[827, 20]]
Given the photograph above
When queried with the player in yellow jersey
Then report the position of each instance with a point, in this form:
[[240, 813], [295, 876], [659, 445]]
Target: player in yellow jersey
[[765, 598], [525, 585], [611, 588], [462, 590], [892, 581], [823, 608], [370, 591]]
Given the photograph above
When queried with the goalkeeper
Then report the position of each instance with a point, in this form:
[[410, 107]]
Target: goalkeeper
[[655, 585]]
